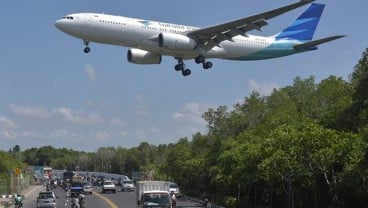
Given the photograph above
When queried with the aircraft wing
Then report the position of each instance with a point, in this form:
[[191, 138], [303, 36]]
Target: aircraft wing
[[209, 37], [312, 44]]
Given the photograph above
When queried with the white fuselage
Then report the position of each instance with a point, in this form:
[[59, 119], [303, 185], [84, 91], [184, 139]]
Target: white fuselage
[[143, 34]]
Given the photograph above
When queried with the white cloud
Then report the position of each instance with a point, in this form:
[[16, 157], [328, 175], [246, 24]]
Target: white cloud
[[65, 133], [123, 134], [178, 116], [7, 127], [93, 104], [7, 134], [155, 130], [191, 113], [139, 134], [90, 71], [30, 134], [29, 111], [75, 118], [7, 122], [116, 122], [142, 108], [189, 120], [90, 103], [262, 88], [102, 136]]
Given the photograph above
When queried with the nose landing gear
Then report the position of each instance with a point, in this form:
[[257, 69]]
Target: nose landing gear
[[86, 49]]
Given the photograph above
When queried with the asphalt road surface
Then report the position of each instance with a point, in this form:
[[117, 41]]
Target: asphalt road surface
[[99, 200]]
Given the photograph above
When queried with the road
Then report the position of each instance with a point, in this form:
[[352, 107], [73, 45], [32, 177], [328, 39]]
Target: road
[[99, 200], [63, 201]]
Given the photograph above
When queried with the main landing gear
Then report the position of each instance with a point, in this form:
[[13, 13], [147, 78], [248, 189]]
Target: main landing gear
[[86, 49], [181, 67], [199, 60]]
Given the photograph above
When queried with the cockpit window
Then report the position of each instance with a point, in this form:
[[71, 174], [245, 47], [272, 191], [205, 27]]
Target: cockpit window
[[68, 17]]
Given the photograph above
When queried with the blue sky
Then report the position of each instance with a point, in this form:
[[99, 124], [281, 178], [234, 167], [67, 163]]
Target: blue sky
[[51, 93]]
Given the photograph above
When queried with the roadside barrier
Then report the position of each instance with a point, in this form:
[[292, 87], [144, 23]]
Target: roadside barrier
[[6, 201], [204, 203]]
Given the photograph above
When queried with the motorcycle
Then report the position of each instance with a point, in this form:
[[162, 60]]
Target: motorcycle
[[75, 203], [78, 202], [18, 205], [18, 201]]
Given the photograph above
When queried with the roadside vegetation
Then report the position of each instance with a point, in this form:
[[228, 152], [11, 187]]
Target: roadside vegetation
[[305, 145], [9, 162]]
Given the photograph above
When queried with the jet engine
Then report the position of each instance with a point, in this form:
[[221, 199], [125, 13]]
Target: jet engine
[[138, 56], [175, 41]]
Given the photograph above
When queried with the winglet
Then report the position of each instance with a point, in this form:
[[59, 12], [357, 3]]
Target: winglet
[[305, 25], [312, 45]]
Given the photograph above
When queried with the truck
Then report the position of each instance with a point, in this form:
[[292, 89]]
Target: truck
[[76, 186], [67, 178], [153, 194], [47, 173]]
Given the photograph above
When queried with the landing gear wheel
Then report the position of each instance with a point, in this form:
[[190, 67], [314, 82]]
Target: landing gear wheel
[[199, 59], [179, 67], [87, 49], [186, 72], [207, 65]]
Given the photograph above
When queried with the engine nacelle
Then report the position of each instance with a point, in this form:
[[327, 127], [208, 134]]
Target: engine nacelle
[[138, 56], [175, 41]]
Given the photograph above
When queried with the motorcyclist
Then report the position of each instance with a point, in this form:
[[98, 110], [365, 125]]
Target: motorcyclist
[[18, 199], [75, 203], [81, 199]]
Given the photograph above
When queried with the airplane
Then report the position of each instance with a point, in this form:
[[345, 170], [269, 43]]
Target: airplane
[[150, 40]]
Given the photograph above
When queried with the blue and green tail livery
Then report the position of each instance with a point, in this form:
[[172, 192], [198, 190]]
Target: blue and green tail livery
[[305, 25]]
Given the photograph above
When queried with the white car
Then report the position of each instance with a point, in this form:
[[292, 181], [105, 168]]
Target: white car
[[87, 188], [108, 186], [127, 185]]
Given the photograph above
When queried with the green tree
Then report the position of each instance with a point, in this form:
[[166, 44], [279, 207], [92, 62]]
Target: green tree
[[356, 116]]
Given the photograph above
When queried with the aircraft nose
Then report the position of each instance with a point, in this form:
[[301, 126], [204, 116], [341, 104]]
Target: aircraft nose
[[59, 24]]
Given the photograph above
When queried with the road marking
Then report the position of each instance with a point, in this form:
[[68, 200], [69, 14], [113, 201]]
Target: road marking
[[112, 204]]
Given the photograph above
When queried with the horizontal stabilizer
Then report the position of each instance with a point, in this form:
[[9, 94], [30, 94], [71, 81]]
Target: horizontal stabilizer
[[311, 45]]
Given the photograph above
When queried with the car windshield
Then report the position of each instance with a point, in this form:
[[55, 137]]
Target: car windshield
[[108, 183], [156, 199], [87, 184], [76, 185], [128, 182], [173, 185], [46, 195]]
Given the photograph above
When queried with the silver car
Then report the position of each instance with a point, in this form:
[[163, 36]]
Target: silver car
[[127, 185], [87, 188], [46, 199]]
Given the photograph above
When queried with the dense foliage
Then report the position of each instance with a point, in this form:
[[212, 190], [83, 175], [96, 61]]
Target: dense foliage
[[304, 145], [9, 161]]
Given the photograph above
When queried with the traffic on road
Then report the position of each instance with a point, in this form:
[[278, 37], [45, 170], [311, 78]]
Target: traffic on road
[[105, 192]]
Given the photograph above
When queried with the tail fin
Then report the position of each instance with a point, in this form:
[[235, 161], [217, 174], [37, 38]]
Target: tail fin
[[305, 25]]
